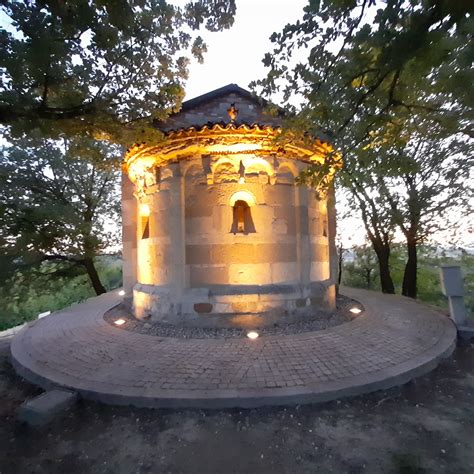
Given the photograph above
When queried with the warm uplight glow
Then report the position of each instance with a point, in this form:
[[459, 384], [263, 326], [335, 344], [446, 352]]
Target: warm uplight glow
[[42, 315], [252, 335], [121, 292], [355, 310], [119, 322], [234, 147], [144, 210], [246, 196]]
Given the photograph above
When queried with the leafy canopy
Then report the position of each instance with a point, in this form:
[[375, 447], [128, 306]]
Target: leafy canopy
[[57, 200], [101, 67], [364, 68]]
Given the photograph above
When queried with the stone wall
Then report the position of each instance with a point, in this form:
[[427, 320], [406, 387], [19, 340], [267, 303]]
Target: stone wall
[[129, 238], [193, 262]]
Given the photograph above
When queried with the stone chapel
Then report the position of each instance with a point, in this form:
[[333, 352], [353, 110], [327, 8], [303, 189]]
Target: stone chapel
[[215, 230]]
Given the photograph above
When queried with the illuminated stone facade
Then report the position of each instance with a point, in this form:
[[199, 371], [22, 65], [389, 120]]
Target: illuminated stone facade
[[215, 231]]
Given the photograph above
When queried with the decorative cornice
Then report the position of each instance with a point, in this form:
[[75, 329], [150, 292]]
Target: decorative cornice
[[247, 140]]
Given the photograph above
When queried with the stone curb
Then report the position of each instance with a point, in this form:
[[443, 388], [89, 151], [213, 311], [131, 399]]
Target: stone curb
[[11, 331], [252, 398], [325, 392]]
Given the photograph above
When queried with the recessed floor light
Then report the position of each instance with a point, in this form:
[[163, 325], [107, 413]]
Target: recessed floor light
[[119, 322], [252, 335], [355, 310], [121, 292]]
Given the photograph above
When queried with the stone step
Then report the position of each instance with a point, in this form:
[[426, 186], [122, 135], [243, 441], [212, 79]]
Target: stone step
[[42, 409], [466, 333]]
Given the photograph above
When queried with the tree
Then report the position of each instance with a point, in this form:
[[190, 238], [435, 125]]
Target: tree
[[373, 71], [361, 184], [379, 226], [373, 65], [56, 201], [362, 270], [101, 67], [432, 182]]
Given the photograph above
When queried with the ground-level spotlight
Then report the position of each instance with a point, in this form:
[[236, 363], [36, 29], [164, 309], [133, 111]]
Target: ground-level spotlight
[[355, 310], [121, 292], [119, 322], [252, 335]]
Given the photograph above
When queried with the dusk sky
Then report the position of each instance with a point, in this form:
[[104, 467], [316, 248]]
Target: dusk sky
[[235, 55]]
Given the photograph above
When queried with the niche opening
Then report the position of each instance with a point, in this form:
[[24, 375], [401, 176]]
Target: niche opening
[[242, 222]]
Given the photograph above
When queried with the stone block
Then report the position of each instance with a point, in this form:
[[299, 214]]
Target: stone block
[[247, 298], [198, 254], [198, 210], [301, 302], [244, 274], [319, 271], [451, 280], [222, 308], [320, 252], [279, 252], [199, 225], [280, 226], [277, 195], [233, 253], [245, 307], [302, 213], [208, 275], [41, 410], [128, 232], [278, 297], [285, 272]]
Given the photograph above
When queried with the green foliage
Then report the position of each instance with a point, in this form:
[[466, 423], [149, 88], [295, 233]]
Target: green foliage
[[362, 270], [390, 84], [363, 263], [100, 67], [421, 182], [56, 197], [59, 202], [29, 293], [372, 66]]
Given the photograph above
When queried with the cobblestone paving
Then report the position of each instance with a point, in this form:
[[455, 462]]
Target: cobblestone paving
[[76, 348]]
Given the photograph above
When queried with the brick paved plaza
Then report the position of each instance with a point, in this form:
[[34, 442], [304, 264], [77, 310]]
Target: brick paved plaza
[[394, 340]]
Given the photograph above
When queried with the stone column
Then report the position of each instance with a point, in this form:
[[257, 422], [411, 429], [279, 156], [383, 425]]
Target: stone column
[[129, 237], [331, 213], [303, 234]]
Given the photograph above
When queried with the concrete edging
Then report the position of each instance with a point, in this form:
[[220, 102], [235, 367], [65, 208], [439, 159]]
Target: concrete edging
[[312, 392]]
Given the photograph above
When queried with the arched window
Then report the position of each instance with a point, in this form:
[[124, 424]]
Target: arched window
[[242, 222], [145, 221]]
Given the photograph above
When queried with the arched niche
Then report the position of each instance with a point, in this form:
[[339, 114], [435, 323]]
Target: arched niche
[[242, 221], [225, 170], [246, 196], [257, 170], [286, 174]]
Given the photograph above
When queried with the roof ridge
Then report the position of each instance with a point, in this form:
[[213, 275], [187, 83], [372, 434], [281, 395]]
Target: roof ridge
[[227, 89]]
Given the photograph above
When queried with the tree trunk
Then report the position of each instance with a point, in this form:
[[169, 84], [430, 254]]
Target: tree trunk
[[339, 266], [368, 278], [383, 257], [409, 287], [94, 276]]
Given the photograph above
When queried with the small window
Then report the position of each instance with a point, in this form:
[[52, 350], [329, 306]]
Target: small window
[[242, 219], [145, 227]]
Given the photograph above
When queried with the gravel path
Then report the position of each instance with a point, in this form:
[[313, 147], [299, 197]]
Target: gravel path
[[321, 320]]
